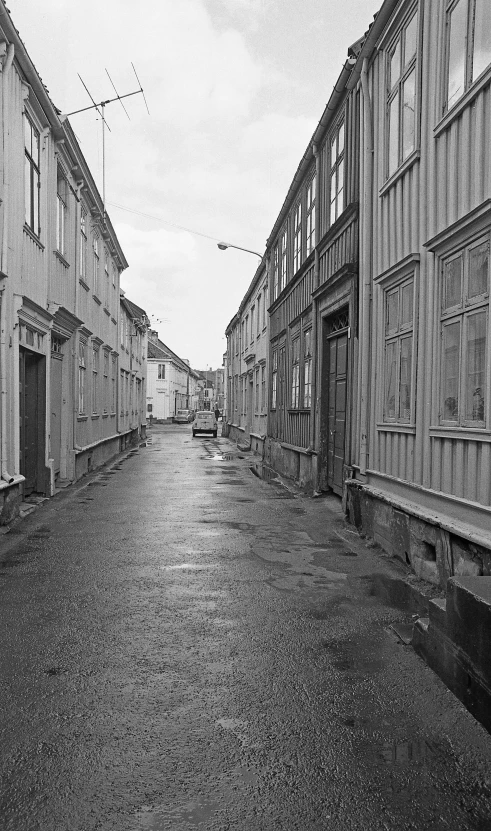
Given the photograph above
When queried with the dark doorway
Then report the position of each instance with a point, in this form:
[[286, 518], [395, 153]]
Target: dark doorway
[[333, 401], [32, 413]]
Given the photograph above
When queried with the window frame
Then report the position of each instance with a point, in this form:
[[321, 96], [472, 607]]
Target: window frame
[[310, 215], [83, 244], [467, 51], [82, 369], [395, 92], [297, 236], [95, 263], [95, 378], [61, 211], [283, 259], [335, 164], [32, 174], [307, 369], [295, 373], [462, 312]]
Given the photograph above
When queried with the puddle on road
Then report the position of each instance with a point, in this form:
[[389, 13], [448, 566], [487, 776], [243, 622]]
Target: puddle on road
[[189, 567], [267, 474], [218, 457], [193, 814]]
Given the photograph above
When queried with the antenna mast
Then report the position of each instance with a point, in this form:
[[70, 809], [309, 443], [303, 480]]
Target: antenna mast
[[100, 109]]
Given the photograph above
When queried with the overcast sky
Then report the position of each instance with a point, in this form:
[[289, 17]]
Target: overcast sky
[[235, 90]]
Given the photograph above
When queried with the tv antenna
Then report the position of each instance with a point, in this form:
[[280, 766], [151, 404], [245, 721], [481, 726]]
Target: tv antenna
[[100, 109]]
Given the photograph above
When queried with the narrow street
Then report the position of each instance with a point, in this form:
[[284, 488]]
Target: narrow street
[[188, 646]]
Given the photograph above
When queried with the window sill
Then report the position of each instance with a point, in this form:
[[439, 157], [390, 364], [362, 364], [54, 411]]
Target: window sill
[[83, 284], [99, 302], [82, 417], [59, 256], [30, 233], [405, 166], [107, 311], [396, 427], [462, 103], [95, 416], [465, 433]]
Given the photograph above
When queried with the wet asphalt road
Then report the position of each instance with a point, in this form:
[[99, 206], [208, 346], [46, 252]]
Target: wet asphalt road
[[186, 646]]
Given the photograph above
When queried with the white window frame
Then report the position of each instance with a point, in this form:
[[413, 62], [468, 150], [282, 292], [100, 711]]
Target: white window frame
[[310, 216], [336, 172], [297, 237], [462, 311], [474, 22], [403, 67]]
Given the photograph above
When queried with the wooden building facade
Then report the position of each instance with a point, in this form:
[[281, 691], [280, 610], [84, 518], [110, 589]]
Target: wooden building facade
[[60, 267], [246, 366], [421, 482], [313, 264]]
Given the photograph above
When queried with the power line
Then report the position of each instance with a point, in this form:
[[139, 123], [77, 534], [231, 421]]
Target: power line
[[165, 221]]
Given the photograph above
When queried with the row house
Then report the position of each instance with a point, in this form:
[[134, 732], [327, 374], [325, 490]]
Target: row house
[[378, 268], [133, 347], [246, 366], [60, 267], [312, 253], [171, 383], [421, 481]]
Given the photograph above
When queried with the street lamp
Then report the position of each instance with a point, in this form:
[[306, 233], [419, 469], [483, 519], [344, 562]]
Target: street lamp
[[224, 245]]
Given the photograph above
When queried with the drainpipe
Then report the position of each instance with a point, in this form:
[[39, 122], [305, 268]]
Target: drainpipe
[[366, 267], [5, 475], [314, 402]]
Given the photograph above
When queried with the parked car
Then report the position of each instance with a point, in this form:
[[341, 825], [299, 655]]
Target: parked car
[[205, 422], [183, 416]]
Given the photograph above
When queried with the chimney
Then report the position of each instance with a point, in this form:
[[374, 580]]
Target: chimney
[[153, 335]]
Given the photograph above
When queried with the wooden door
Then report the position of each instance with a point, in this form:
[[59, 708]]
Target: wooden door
[[32, 418], [55, 426], [334, 402]]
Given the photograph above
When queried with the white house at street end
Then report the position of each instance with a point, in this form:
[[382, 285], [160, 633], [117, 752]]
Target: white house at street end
[[171, 382]]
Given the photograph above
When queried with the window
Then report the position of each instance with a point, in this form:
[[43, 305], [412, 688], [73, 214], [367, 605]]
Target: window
[[81, 376], [161, 372], [465, 300], [398, 352], [265, 305], [95, 378], [307, 369], [297, 237], [95, 252], [113, 384], [295, 373], [246, 331], [274, 379], [336, 175], [257, 402], [284, 259], [61, 208], [259, 302], [32, 176], [106, 279], [253, 312], [468, 44], [106, 380], [263, 389], [310, 229], [401, 100], [83, 244], [276, 272]]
